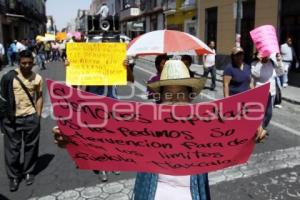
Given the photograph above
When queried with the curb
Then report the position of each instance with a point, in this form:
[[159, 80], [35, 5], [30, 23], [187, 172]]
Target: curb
[[287, 99], [290, 100]]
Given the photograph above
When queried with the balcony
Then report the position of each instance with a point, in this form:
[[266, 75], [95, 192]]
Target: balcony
[[170, 12], [188, 5], [129, 13]]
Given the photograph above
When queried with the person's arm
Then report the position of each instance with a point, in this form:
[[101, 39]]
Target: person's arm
[[255, 69], [252, 86], [204, 60], [2, 50], [226, 81], [39, 100], [39, 103], [279, 67]]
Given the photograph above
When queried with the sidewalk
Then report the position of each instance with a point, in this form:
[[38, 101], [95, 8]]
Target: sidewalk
[[289, 94]]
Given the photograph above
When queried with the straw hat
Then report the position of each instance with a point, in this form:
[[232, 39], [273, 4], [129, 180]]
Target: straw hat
[[176, 73]]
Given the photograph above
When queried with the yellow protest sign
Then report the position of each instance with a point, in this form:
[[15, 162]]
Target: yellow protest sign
[[96, 64]]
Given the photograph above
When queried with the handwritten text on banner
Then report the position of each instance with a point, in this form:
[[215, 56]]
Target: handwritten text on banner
[[107, 134], [96, 64]]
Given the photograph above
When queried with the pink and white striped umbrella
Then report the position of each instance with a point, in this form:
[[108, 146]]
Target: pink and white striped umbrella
[[167, 41]]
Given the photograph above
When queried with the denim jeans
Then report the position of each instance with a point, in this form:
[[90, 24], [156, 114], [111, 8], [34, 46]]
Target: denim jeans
[[269, 111], [286, 71], [212, 71], [41, 60]]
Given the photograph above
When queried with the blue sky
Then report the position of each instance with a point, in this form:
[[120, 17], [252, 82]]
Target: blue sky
[[65, 10]]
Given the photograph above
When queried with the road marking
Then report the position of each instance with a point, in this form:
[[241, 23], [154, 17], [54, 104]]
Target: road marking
[[145, 70], [140, 86], [278, 125], [288, 129]]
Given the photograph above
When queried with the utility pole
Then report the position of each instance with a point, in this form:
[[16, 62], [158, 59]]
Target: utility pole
[[238, 26]]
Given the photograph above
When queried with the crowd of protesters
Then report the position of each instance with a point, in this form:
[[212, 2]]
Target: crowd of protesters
[[43, 51]]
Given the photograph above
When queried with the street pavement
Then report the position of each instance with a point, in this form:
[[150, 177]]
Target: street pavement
[[273, 171]]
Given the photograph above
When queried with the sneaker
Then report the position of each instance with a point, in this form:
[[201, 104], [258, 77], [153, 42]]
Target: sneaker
[[285, 85], [29, 178], [104, 177], [278, 106], [14, 184]]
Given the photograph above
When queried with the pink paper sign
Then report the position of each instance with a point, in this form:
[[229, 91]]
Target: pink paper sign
[[265, 40], [77, 35], [112, 135]]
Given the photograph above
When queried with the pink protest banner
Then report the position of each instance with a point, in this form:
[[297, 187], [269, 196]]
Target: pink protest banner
[[108, 134], [265, 40]]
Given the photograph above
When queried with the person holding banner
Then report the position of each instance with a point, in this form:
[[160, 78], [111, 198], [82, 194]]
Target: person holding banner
[[176, 88], [150, 186]]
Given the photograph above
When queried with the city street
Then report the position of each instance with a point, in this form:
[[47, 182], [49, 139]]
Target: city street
[[273, 172]]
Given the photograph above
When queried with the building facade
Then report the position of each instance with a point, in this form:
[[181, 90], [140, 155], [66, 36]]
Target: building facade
[[81, 21], [181, 15], [140, 16], [21, 19], [50, 25], [131, 22], [217, 21]]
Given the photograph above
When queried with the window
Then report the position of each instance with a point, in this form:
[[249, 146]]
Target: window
[[130, 3], [154, 3], [153, 23], [211, 19], [189, 2], [190, 27]]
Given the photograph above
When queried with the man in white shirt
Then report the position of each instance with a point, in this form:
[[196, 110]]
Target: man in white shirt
[[288, 56], [20, 47], [104, 11], [210, 66]]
